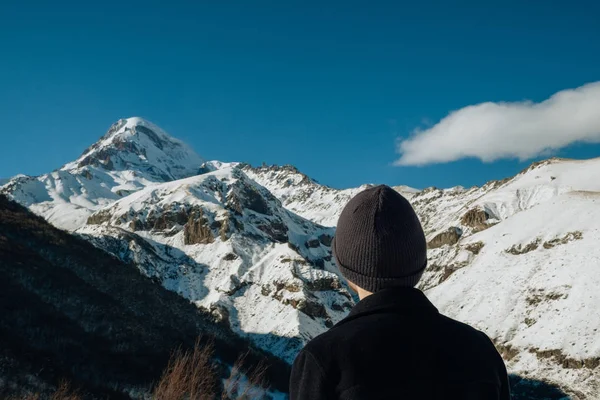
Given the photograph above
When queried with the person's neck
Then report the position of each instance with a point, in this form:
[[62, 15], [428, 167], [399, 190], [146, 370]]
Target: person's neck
[[362, 293]]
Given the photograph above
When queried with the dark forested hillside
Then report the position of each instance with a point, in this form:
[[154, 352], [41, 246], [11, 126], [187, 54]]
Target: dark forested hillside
[[70, 311]]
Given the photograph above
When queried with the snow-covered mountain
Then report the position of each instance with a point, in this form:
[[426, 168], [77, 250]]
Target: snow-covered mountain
[[228, 245], [519, 259], [205, 230], [304, 196], [516, 258], [133, 154]]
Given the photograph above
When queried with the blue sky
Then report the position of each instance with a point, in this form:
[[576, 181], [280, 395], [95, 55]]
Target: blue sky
[[329, 88]]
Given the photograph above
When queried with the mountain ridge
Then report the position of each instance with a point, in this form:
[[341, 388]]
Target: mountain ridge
[[152, 146], [258, 239]]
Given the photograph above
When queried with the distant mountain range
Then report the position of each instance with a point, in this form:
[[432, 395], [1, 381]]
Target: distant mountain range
[[250, 246]]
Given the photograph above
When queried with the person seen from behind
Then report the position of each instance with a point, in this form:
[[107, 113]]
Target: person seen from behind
[[394, 344]]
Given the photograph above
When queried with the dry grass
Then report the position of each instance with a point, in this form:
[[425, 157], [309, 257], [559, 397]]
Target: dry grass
[[193, 375], [63, 392], [189, 375]]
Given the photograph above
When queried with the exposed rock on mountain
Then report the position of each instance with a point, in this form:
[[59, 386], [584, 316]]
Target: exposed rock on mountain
[[235, 239], [476, 219], [197, 231], [449, 237]]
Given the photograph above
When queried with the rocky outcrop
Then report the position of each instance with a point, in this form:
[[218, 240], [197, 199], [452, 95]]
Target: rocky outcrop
[[311, 308], [324, 283], [275, 229], [247, 198], [101, 158], [325, 239], [569, 237], [236, 285], [476, 218], [341, 307], [523, 249], [507, 351], [167, 219], [313, 243], [306, 303], [197, 230], [228, 225], [443, 272], [293, 286], [475, 248], [99, 217], [123, 193], [137, 225], [171, 220], [541, 296], [565, 361], [284, 170], [127, 146], [449, 237], [219, 313]]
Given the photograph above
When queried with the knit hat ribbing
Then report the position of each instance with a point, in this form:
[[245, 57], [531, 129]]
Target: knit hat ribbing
[[379, 242]]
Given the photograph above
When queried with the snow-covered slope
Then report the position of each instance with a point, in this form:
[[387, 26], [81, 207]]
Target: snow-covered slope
[[523, 266], [533, 287], [226, 243], [517, 258], [305, 196], [133, 154]]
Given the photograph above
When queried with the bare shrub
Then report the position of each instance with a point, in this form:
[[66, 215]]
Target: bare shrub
[[194, 375], [65, 392], [189, 375]]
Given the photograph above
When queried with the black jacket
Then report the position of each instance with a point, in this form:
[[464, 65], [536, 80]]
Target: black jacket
[[396, 345]]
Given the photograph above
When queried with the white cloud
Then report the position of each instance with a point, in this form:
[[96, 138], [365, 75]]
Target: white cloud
[[492, 131]]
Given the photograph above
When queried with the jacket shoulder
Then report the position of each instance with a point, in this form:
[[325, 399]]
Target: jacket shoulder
[[325, 347], [475, 350], [322, 342], [462, 332]]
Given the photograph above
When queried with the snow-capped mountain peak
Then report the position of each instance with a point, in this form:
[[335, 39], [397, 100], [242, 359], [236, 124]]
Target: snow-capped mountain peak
[[139, 145], [132, 155]]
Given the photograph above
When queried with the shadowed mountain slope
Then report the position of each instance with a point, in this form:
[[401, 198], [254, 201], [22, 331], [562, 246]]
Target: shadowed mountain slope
[[71, 311]]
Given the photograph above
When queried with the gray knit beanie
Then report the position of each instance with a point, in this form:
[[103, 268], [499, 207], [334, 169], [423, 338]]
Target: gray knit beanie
[[379, 242]]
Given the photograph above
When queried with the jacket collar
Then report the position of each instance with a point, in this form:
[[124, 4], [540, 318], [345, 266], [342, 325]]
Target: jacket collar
[[406, 301]]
